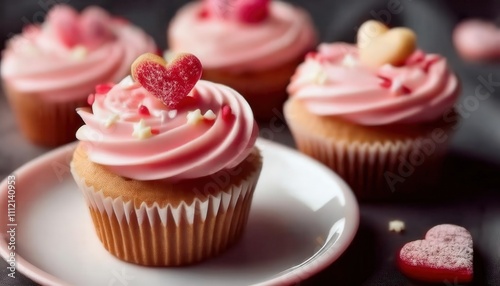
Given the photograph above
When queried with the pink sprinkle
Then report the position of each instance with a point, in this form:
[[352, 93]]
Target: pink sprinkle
[[155, 131], [203, 14], [103, 88], [405, 90], [143, 110], [386, 82], [91, 99], [227, 113]]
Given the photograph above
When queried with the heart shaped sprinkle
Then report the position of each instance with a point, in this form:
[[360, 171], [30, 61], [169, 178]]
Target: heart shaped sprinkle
[[384, 46], [446, 254], [64, 24], [90, 29], [171, 82], [244, 11], [94, 26]]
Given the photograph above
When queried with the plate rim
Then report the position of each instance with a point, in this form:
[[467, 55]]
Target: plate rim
[[300, 273]]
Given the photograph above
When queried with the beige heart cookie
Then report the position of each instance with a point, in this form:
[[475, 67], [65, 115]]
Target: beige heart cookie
[[379, 45]]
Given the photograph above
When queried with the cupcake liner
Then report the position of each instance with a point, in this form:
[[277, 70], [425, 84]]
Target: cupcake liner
[[376, 162], [171, 235], [377, 169], [43, 122]]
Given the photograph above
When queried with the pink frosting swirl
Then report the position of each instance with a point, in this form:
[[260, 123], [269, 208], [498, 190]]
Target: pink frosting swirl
[[41, 61], [333, 82], [180, 145], [286, 34]]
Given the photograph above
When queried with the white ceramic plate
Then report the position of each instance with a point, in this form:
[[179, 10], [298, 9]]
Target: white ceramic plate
[[302, 218]]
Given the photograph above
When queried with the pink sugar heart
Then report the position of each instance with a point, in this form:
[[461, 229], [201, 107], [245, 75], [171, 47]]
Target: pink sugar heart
[[171, 82], [252, 11], [94, 27], [245, 11], [64, 23], [477, 40], [446, 254]]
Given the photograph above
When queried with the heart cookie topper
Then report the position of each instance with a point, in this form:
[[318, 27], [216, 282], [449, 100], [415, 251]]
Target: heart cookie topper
[[244, 11], [169, 82], [90, 29], [378, 45], [446, 254]]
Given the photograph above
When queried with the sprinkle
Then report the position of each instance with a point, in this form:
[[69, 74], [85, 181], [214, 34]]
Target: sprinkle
[[91, 99], [396, 226], [163, 116], [126, 82], [155, 131], [311, 55], [210, 115], [143, 110], [103, 88], [110, 120], [141, 130], [349, 61], [193, 117], [317, 73], [386, 82], [227, 113], [172, 114], [79, 52]]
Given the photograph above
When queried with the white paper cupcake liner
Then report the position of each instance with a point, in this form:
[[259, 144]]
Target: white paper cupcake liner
[[378, 169], [170, 235]]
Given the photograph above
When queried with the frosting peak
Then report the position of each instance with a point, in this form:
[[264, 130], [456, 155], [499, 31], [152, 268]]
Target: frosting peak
[[334, 82], [196, 140]]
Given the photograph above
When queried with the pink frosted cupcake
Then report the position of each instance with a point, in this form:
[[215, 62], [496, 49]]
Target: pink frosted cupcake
[[50, 69], [252, 46], [379, 115], [167, 164]]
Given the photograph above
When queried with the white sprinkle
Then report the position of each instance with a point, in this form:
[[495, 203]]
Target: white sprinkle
[[172, 114], [110, 120], [141, 130], [79, 52], [396, 86], [210, 115], [396, 226], [318, 75], [349, 61], [193, 117]]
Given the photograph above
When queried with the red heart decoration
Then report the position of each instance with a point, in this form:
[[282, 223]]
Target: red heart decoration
[[245, 11], [64, 23], [94, 27], [169, 83], [446, 254]]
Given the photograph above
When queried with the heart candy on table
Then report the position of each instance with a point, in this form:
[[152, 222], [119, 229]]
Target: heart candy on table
[[379, 45], [477, 40], [244, 11], [446, 254], [169, 82]]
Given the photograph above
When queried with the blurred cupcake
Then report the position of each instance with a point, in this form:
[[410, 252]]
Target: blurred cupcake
[[379, 114], [253, 46], [168, 171], [50, 69]]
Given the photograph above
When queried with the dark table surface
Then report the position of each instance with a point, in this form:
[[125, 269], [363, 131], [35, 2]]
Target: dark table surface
[[468, 193]]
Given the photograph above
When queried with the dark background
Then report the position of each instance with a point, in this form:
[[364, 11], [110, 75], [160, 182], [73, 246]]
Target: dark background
[[469, 191]]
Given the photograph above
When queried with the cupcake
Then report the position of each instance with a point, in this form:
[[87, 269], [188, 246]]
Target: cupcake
[[253, 46], [380, 114], [50, 69], [167, 164]]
